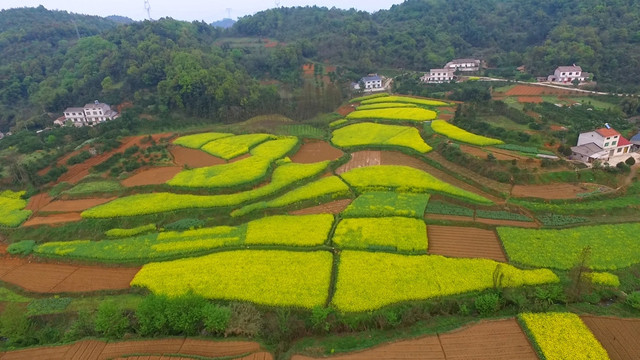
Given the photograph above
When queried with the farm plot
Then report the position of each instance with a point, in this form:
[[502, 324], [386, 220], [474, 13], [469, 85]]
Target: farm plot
[[387, 203], [498, 340], [536, 90], [315, 151], [53, 219], [453, 132], [233, 146], [464, 242], [196, 141], [612, 246], [153, 176], [333, 207], [404, 179], [193, 158], [551, 191], [259, 276], [368, 281], [385, 105], [74, 205], [307, 230], [12, 209], [401, 114], [385, 233], [618, 336], [249, 170], [562, 336], [360, 159], [403, 99], [371, 134], [141, 204]]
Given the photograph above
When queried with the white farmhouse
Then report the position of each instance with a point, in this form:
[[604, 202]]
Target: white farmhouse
[[90, 114], [463, 65], [437, 76], [568, 74], [601, 144], [373, 81]]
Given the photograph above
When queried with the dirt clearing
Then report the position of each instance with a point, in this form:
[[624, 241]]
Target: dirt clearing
[[193, 158], [334, 207], [464, 242], [361, 159], [537, 90], [620, 337], [74, 205], [153, 176], [54, 219], [556, 191], [315, 151], [36, 202]]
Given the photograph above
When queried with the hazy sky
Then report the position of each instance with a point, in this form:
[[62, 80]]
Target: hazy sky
[[188, 9]]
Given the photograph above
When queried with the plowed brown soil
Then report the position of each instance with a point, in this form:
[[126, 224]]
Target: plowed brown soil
[[530, 99], [464, 242], [525, 224], [346, 109], [74, 205], [501, 339], [36, 202], [100, 350], [58, 278], [360, 159], [333, 207], [620, 337], [315, 151], [54, 219], [152, 176], [536, 90], [193, 158], [555, 191]]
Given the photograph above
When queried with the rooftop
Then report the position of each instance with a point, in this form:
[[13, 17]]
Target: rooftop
[[463, 61], [636, 138], [441, 70], [623, 142], [607, 132], [586, 149], [74, 109], [569, 68]]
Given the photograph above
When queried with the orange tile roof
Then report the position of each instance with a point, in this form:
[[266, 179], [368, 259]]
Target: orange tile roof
[[607, 132]]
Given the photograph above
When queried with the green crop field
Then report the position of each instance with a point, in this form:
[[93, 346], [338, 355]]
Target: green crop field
[[387, 203], [388, 233]]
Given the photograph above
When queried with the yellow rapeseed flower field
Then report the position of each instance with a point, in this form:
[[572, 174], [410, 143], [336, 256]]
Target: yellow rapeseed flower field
[[453, 132], [393, 233], [363, 134]]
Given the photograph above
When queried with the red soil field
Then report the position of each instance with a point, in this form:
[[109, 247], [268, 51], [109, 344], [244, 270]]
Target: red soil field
[[620, 337], [500, 339], [536, 90], [100, 350], [193, 158], [315, 151], [308, 69], [530, 99], [74, 205], [464, 242], [360, 159], [515, 223], [36, 202], [554, 191], [53, 219], [333, 207], [152, 176], [347, 109], [59, 278]]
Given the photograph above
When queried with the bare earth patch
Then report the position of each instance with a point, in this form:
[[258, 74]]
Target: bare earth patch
[[360, 159], [333, 207], [316, 151], [620, 337], [536, 90], [555, 191], [152, 176], [36, 202], [74, 205], [464, 242], [498, 222], [54, 219], [193, 158]]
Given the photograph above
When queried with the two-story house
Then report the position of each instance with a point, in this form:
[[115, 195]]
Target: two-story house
[[463, 65], [600, 144], [568, 74], [436, 76], [90, 114]]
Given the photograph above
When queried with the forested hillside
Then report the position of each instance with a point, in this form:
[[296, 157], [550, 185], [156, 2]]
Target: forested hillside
[[601, 36]]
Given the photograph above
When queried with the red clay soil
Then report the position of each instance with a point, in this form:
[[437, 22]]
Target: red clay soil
[[74, 205], [54, 219], [36, 202], [530, 99], [315, 151], [76, 172], [334, 207], [536, 90], [464, 242], [347, 109], [100, 350], [308, 69], [500, 340], [58, 278], [554, 191], [620, 337], [361, 159], [193, 158], [557, 128], [467, 219], [152, 176]]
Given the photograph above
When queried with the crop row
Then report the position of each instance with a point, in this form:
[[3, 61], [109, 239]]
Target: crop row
[[404, 179], [524, 149], [140, 204], [385, 105], [404, 99], [325, 187], [439, 207], [630, 202], [196, 141], [307, 230], [367, 97], [232, 146], [387, 203], [611, 246], [453, 132], [563, 336], [388, 233], [501, 215], [403, 114], [131, 232], [12, 206], [561, 220], [371, 134]]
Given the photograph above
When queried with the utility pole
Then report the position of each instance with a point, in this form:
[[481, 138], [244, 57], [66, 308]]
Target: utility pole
[[147, 7]]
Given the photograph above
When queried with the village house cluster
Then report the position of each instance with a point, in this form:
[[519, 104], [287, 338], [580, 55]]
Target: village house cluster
[[568, 74], [603, 145], [447, 73], [89, 115]]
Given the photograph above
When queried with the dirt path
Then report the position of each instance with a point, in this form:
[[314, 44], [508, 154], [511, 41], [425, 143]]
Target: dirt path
[[464, 242], [333, 207], [556, 191], [315, 151], [152, 349], [152, 176], [620, 337], [499, 340], [62, 278]]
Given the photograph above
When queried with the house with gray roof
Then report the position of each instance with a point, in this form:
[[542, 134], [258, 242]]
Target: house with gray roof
[[91, 114], [601, 144], [463, 65], [568, 74]]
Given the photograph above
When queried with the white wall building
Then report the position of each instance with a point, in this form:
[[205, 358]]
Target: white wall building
[[90, 114], [438, 76], [463, 65], [601, 144], [567, 74]]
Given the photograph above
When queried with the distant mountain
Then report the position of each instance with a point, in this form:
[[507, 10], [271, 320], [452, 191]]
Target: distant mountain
[[120, 19], [224, 23]]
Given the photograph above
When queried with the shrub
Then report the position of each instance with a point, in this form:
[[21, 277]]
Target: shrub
[[184, 224], [634, 300], [216, 318], [151, 316], [245, 320], [487, 304], [15, 325], [319, 315], [131, 232], [630, 161], [24, 247], [77, 159], [110, 321], [184, 314]]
